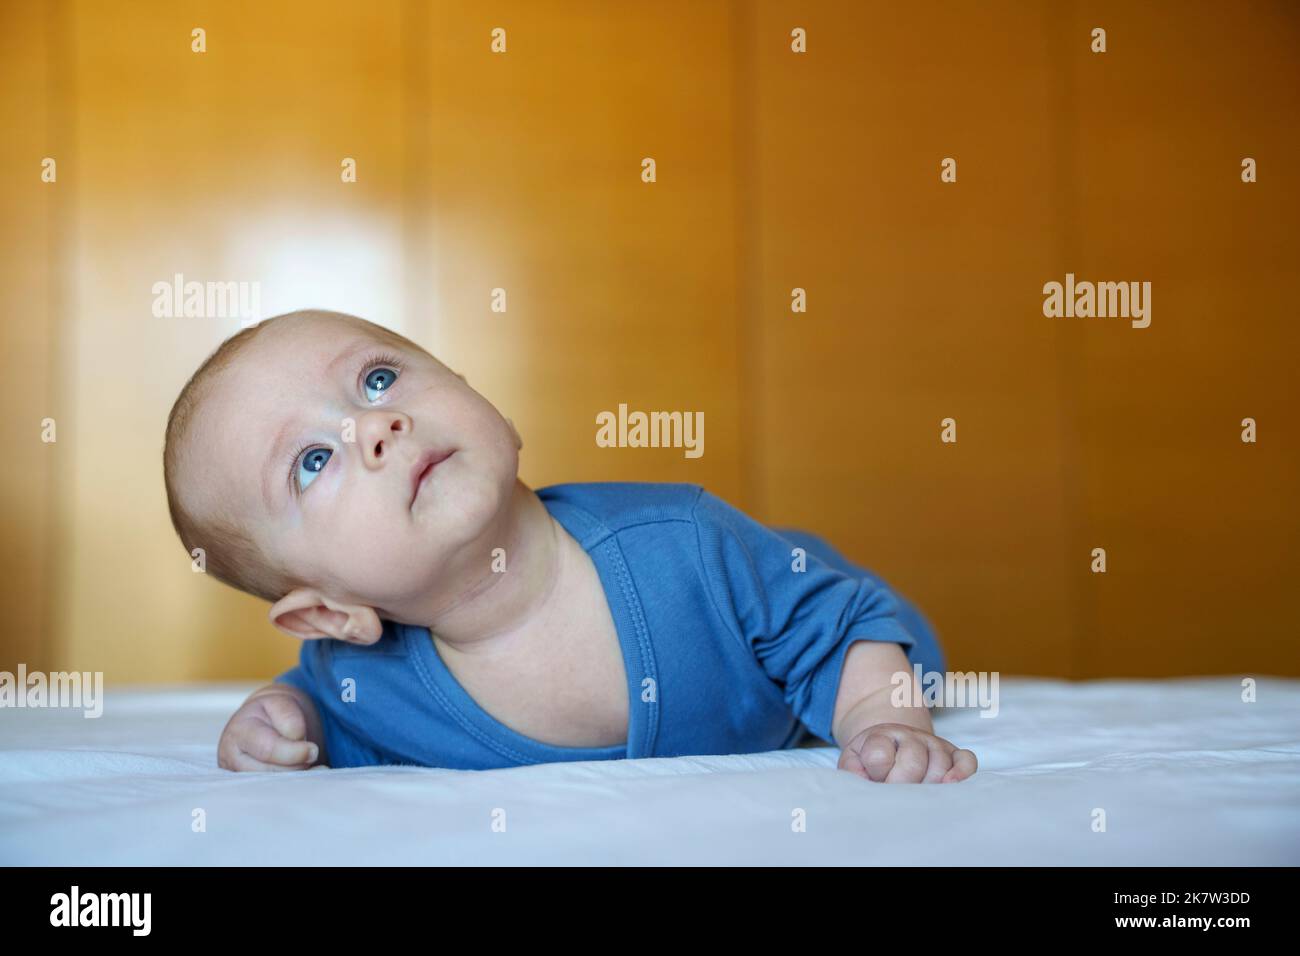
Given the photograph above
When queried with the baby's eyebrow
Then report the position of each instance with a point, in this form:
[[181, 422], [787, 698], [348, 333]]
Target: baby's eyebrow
[[276, 444], [291, 424]]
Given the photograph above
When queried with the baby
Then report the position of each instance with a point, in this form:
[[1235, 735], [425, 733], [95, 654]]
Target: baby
[[450, 616]]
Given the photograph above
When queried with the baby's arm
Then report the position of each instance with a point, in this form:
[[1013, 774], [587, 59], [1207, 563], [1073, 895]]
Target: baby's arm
[[796, 616], [276, 728], [884, 741]]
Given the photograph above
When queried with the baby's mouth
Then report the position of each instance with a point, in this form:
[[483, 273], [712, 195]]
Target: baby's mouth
[[423, 467]]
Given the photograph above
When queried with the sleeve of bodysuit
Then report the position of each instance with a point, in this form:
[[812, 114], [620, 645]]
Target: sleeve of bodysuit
[[799, 624], [313, 676]]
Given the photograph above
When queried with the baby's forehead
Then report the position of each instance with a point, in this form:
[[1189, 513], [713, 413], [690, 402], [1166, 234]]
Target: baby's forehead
[[269, 375], [295, 351], [316, 332]]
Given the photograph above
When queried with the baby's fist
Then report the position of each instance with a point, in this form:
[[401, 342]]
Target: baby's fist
[[267, 733], [897, 753]]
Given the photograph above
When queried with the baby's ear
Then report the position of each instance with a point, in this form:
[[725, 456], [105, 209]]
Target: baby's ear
[[308, 615]]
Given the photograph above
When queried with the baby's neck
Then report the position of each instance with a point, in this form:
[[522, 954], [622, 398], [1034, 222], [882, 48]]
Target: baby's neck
[[512, 591]]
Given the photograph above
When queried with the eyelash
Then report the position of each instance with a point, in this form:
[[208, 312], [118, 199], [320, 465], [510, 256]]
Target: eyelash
[[373, 361]]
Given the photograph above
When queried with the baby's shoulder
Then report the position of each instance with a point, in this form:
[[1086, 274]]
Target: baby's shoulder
[[618, 505]]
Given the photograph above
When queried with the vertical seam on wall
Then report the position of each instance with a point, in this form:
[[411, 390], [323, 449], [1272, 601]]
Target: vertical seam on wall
[[419, 265], [60, 114], [1062, 23], [747, 221]]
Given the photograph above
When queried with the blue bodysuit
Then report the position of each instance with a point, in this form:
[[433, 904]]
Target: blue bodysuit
[[728, 646]]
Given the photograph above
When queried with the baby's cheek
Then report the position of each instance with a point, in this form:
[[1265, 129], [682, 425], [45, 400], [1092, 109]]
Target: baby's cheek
[[372, 556]]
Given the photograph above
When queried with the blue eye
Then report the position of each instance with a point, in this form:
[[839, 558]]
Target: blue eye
[[381, 379], [310, 466]]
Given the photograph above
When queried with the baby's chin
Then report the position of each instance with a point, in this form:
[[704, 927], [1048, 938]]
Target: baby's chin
[[463, 506]]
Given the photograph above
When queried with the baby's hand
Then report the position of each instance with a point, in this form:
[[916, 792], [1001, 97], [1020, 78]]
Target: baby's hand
[[267, 733], [897, 753]]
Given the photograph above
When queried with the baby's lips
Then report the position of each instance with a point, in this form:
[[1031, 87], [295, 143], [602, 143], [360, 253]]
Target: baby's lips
[[423, 462]]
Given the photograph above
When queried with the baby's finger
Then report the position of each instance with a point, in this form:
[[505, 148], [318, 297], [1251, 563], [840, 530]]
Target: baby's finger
[[910, 762], [244, 763], [285, 716], [963, 765], [877, 755], [850, 761], [940, 761], [261, 742]]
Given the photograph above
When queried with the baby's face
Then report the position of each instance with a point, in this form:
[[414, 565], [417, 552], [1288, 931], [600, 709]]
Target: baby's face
[[348, 516]]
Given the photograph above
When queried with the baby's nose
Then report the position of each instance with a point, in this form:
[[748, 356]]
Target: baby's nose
[[378, 431]]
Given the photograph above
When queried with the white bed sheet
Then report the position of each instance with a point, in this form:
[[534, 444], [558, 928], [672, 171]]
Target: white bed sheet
[[1186, 773]]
